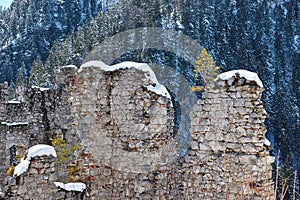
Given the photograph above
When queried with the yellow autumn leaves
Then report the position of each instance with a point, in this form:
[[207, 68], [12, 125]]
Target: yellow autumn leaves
[[64, 151], [205, 70]]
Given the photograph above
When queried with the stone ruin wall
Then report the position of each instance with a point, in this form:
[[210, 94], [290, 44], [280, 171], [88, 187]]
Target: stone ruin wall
[[32, 121], [228, 136], [128, 150], [127, 131]]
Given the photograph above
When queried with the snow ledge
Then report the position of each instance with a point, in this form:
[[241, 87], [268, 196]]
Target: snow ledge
[[78, 187], [13, 102], [158, 88], [37, 150], [15, 123], [40, 88], [267, 142], [251, 76]]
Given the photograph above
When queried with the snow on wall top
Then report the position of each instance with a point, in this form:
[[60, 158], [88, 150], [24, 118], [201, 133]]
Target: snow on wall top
[[157, 88], [14, 123], [251, 76], [37, 150], [267, 142], [69, 67], [14, 102], [42, 89], [78, 187]]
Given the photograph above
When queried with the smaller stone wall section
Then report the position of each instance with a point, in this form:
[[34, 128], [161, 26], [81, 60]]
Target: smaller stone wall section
[[227, 157], [36, 183]]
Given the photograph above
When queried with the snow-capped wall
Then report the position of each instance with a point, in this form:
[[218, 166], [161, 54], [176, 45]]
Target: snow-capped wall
[[37, 150], [134, 124], [228, 134], [126, 136]]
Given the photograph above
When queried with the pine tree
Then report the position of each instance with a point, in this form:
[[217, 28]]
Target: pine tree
[[66, 51], [92, 35], [29, 18], [36, 72], [21, 77], [21, 82], [205, 70], [80, 42], [13, 24]]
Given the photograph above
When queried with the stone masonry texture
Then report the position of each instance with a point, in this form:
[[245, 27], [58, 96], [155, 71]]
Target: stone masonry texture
[[120, 140]]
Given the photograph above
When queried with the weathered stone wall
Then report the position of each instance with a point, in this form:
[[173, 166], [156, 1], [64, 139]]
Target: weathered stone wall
[[126, 130], [31, 121], [127, 146], [3, 99], [124, 125], [227, 157], [36, 182]]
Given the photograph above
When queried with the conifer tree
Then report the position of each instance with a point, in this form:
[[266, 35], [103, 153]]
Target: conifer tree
[[21, 82], [35, 77], [66, 51], [92, 35], [205, 70], [1, 11], [21, 77], [79, 41]]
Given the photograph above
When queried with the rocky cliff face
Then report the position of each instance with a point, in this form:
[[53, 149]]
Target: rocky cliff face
[[123, 120]]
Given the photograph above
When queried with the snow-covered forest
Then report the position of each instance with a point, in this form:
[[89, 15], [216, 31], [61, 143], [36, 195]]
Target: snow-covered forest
[[263, 36]]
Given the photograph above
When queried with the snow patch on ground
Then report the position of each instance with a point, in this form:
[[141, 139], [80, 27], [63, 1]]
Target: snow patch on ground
[[156, 87], [251, 76], [37, 150], [78, 187]]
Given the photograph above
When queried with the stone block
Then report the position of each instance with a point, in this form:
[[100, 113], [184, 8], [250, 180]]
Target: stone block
[[248, 149], [230, 81], [206, 95], [22, 190], [248, 159], [239, 103], [209, 136], [33, 171], [204, 147], [194, 145], [223, 124]]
